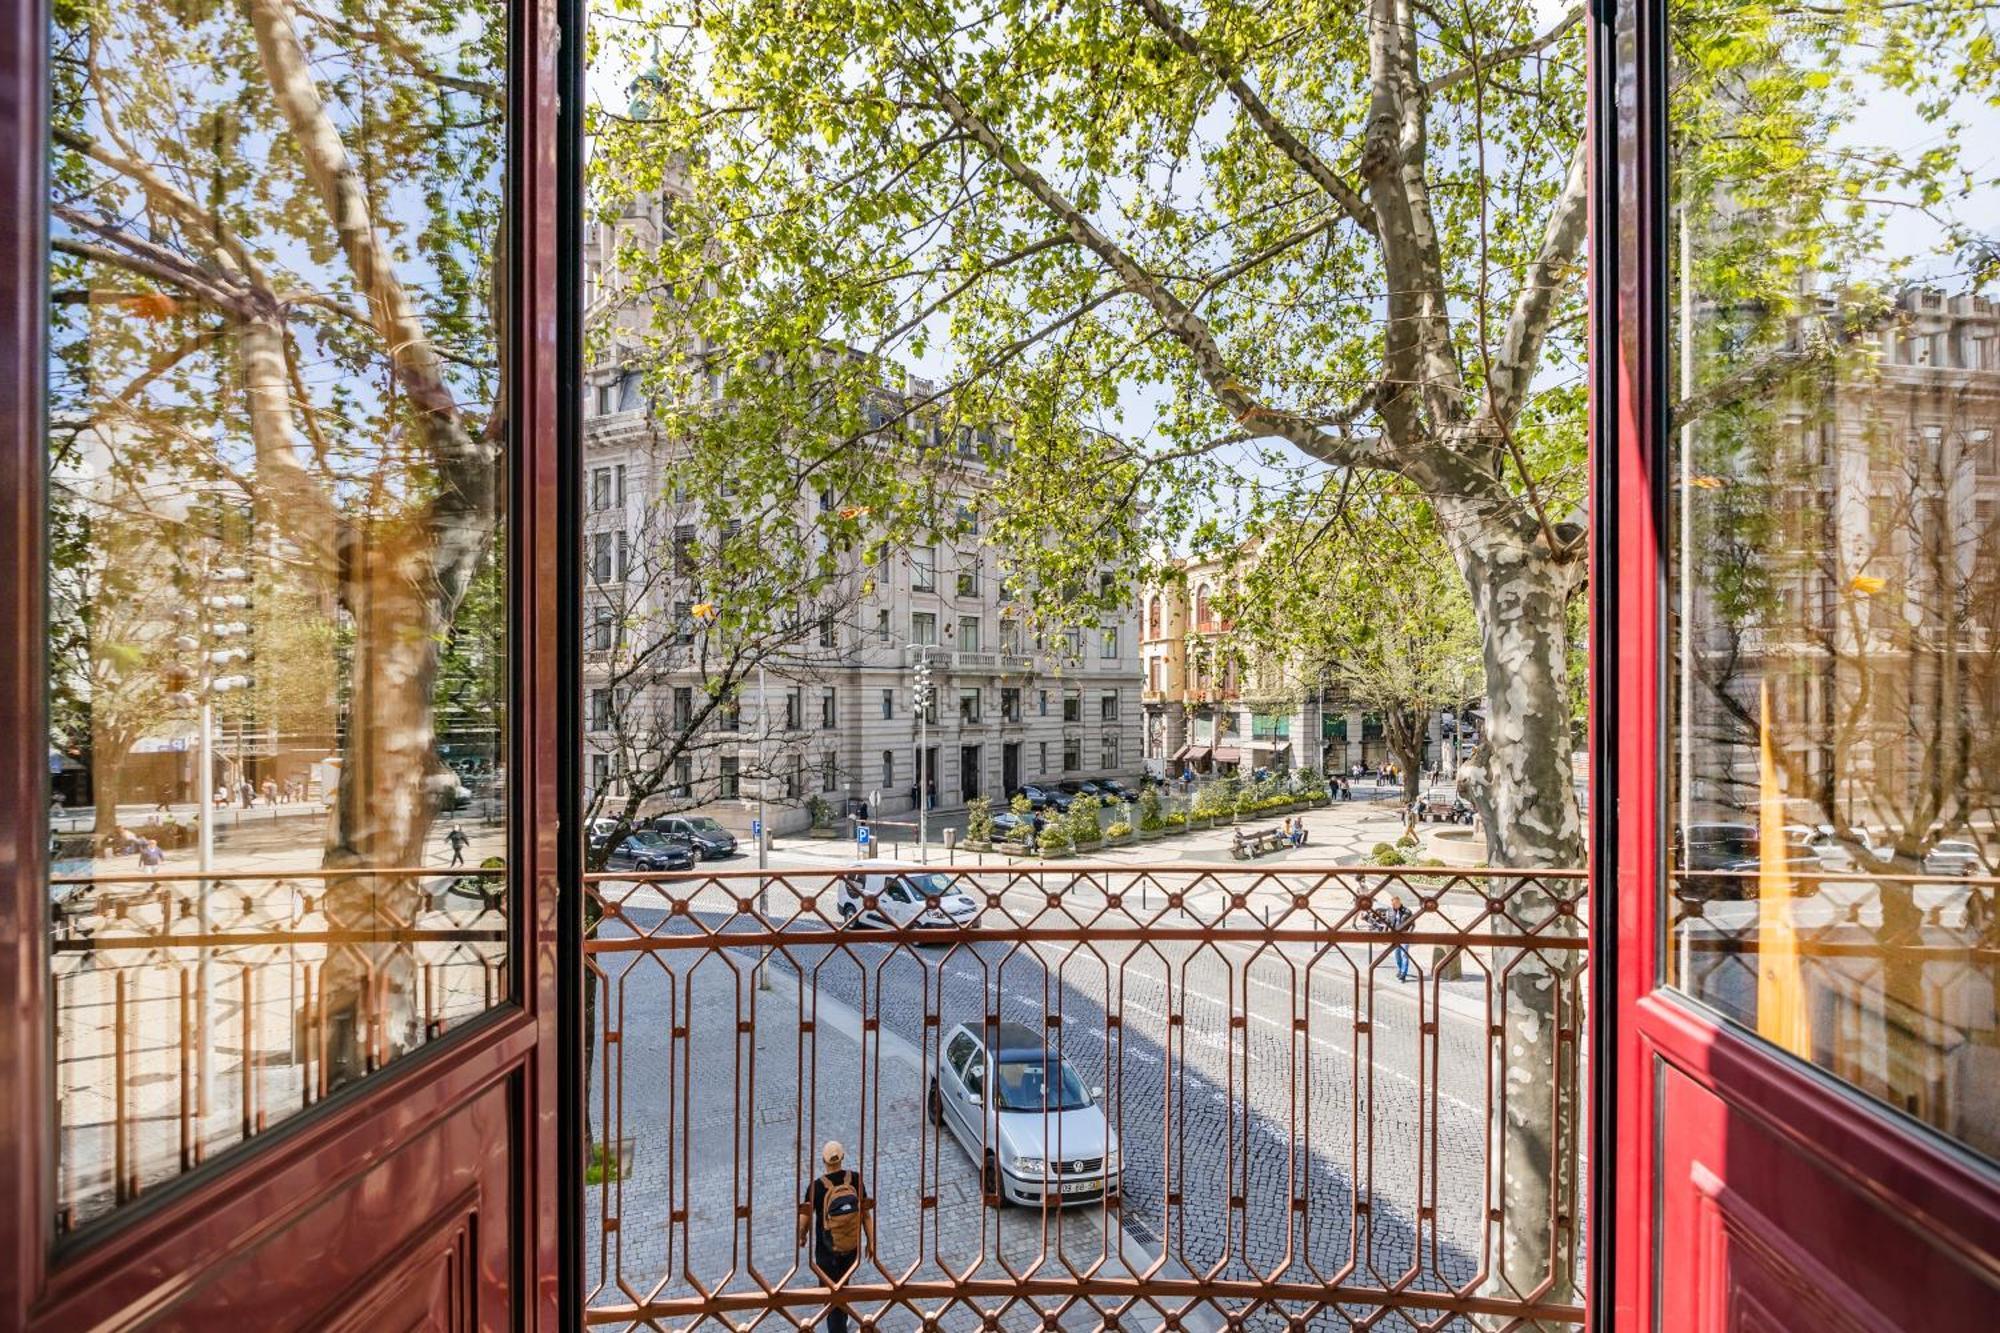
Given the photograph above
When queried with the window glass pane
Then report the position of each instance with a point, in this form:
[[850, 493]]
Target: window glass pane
[[278, 664], [1834, 776]]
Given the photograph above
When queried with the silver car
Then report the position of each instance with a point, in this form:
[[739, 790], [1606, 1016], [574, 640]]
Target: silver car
[[1025, 1118]]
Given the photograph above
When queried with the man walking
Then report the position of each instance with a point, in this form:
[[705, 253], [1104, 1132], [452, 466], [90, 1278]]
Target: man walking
[[458, 841], [1398, 917], [837, 1214]]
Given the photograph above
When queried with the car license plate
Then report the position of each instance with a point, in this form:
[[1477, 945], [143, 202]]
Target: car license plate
[[1081, 1186]]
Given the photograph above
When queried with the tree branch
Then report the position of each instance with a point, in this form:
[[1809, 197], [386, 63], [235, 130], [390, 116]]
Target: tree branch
[[1302, 156], [1179, 320], [1528, 323], [1506, 55]]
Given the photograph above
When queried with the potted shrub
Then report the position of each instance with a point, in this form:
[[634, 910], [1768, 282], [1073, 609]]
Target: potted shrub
[[1082, 821], [1021, 839], [1151, 822], [1055, 840], [1119, 831], [820, 810], [979, 822]]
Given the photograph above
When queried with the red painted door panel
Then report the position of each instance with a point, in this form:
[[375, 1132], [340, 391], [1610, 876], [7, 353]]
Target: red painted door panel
[[1757, 1235], [1802, 1136]]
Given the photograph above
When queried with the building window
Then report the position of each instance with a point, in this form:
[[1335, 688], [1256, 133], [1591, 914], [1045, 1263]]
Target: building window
[[732, 713], [1010, 635], [683, 623], [1042, 763], [968, 578], [1045, 704], [600, 773], [683, 707], [1153, 619], [882, 625], [601, 629], [1202, 619], [600, 710], [795, 777], [794, 708], [888, 705], [606, 396], [888, 770], [923, 569], [1153, 675], [685, 549], [826, 708], [1072, 754], [826, 631], [624, 557], [729, 785], [1073, 645], [683, 778], [829, 772], [600, 488], [619, 497], [923, 628], [600, 557], [1010, 703], [1072, 707], [1107, 707], [1110, 646], [968, 634], [968, 706], [1107, 753]]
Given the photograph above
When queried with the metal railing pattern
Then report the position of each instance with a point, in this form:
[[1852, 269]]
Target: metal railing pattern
[[160, 979], [1303, 1139]]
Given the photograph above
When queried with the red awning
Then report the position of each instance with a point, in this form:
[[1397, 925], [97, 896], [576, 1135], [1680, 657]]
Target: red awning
[[1227, 754]]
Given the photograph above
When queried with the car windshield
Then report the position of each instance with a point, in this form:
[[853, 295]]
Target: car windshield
[[704, 824], [929, 884], [1023, 1084], [644, 840]]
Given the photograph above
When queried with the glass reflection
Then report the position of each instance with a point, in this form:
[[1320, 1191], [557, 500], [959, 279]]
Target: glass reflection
[[276, 453], [1836, 541]]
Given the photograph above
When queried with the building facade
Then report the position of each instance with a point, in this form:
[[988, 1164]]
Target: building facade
[[834, 729]]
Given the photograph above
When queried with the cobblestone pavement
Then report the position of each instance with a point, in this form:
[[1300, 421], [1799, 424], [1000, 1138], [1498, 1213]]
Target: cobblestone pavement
[[1290, 1113]]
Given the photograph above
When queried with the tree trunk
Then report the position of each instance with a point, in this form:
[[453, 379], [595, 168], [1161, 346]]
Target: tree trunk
[[1519, 781], [383, 812], [1403, 729]]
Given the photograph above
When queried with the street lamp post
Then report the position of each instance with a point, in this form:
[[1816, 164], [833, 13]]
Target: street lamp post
[[923, 695], [763, 776], [206, 684]]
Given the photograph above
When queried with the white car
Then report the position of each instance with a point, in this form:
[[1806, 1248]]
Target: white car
[[1953, 856], [1036, 1133], [895, 897]]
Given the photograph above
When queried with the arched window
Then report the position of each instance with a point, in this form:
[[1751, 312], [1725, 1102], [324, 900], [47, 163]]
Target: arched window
[[1201, 620], [1153, 619]]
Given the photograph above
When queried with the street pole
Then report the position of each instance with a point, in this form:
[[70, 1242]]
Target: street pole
[[204, 862], [763, 769], [923, 749]]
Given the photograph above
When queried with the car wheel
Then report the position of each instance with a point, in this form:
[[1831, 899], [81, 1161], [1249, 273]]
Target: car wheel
[[936, 1105]]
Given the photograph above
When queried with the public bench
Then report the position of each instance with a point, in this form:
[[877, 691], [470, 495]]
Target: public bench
[[1256, 842]]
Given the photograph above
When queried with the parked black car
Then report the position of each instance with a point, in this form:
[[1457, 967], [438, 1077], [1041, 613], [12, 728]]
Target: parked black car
[[702, 835], [1006, 821], [1116, 790], [1046, 798], [647, 851]]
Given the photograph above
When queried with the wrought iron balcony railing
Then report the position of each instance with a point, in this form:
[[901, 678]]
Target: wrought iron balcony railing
[[1265, 1127]]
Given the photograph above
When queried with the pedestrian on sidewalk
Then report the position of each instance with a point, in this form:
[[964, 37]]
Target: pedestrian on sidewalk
[[1391, 919], [837, 1214], [458, 842], [150, 856]]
